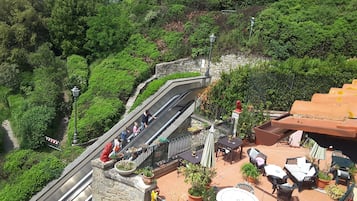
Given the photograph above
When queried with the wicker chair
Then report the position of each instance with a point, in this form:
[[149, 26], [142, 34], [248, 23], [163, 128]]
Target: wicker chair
[[257, 158], [285, 192]]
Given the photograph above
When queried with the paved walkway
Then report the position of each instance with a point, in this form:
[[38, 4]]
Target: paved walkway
[[173, 188], [10, 141]]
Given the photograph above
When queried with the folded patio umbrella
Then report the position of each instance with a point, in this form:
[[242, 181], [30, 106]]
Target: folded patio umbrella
[[208, 156], [318, 152]]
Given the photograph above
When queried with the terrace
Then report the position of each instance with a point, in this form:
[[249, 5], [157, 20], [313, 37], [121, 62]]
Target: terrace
[[173, 188]]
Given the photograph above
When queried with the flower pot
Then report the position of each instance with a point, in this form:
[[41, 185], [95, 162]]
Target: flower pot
[[125, 167], [250, 180], [194, 198], [148, 180], [322, 183]]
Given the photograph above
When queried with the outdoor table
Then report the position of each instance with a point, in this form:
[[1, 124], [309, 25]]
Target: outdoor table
[[235, 194], [187, 156], [276, 175], [232, 145]]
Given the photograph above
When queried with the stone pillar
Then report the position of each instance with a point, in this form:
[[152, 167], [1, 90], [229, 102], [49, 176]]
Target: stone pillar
[[235, 116], [108, 185]]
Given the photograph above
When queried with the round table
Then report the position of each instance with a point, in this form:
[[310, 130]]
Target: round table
[[235, 194]]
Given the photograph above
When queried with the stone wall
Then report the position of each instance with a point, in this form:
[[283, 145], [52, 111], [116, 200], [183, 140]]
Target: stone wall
[[181, 65], [225, 64], [108, 185]]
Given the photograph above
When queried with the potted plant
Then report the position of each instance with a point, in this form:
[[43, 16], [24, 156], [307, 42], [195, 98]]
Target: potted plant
[[248, 119], [199, 177], [250, 172], [334, 192], [125, 167], [323, 179], [147, 174]]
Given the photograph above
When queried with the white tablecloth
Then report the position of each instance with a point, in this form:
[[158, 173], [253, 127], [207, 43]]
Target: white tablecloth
[[235, 194], [274, 170]]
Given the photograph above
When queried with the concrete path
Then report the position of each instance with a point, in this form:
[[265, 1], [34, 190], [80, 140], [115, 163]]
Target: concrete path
[[10, 141], [132, 99]]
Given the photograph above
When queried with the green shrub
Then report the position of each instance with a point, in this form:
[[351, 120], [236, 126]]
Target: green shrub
[[78, 72], [34, 125], [112, 81], [28, 183], [316, 29], [99, 116], [175, 12], [16, 162]]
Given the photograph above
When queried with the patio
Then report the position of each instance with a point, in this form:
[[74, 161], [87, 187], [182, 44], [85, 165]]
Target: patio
[[173, 188]]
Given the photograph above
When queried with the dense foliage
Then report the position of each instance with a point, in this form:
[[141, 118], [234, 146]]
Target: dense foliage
[[27, 172], [277, 84], [309, 28]]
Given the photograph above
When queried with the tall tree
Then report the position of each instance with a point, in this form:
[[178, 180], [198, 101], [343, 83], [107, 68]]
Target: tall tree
[[68, 24], [108, 31], [21, 30]]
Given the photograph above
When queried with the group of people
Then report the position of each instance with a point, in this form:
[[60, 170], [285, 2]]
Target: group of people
[[122, 140]]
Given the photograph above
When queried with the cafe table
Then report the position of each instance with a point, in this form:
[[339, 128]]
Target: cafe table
[[187, 156], [235, 194], [232, 145]]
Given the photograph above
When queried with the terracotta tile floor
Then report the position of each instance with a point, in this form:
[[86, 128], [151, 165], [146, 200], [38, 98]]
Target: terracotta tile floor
[[173, 188]]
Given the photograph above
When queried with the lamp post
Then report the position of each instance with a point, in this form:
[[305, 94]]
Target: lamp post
[[212, 38], [75, 93], [251, 26]]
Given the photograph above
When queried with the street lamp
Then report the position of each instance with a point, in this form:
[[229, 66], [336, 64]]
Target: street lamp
[[251, 26], [212, 38], [75, 93]]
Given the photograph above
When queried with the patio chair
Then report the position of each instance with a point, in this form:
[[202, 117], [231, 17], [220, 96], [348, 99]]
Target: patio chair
[[245, 186], [275, 181], [285, 192], [342, 174], [340, 166], [349, 195], [257, 158]]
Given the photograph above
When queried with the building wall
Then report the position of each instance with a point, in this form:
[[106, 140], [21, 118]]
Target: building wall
[[108, 185]]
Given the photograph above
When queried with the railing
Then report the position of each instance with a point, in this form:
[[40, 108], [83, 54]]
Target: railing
[[179, 145], [146, 152], [184, 143]]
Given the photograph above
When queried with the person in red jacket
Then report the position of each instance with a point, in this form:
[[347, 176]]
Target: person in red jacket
[[104, 156]]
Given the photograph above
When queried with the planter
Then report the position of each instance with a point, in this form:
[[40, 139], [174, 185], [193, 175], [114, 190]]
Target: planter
[[194, 198], [250, 180], [148, 180], [125, 167], [322, 183]]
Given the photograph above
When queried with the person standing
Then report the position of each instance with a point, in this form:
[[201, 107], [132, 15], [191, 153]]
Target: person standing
[[124, 137], [136, 129], [145, 119], [116, 148]]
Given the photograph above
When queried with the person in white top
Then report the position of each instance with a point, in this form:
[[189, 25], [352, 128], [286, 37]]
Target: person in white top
[[116, 148]]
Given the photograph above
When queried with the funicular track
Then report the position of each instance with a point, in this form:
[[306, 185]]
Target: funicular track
[[166, 104]]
